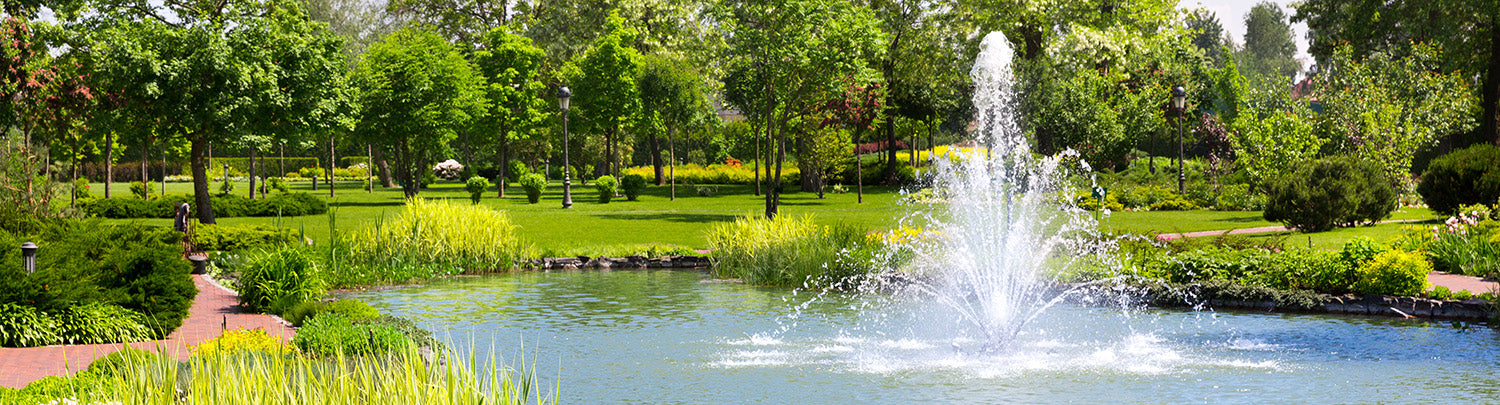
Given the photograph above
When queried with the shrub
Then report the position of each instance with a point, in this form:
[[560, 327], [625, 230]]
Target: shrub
[[1317, 270], [606, 186], [240, 341], [427, 180], [310, 172], [335, 334], [1237, 197], [140, 190], [152, 279], [517, 171], [1394, 272], [225, 206], [81, 189], [1174, 205], [476, 186], [449, 169], [533, 183], [785, 251], [355, 310], [279, 184], [97, 322], [632, 185], [1360, 250], [730, 174], [1440, 293], [1340, 191], [1466, 176], [226, 187], [278, 280], [23, 326], [471, 237], [240, 237]]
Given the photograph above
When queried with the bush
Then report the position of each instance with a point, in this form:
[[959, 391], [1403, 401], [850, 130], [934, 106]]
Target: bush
[[516, 171], [224, 205], [23, 326], [785, 251], [730, 174], [240, 237], [533, 183], [1340, 191], [355, 310], [632, 185], [1174, 205], [1237, 197], [1360, 250], [234, 342], [140, 190], [1466, 176], [279, 279], [335, 334], [427, 232], [606, 185], [97, 322], [151, 279], [476, 186], [310, 172], [279, 184], [81, 188], [1394, 272]]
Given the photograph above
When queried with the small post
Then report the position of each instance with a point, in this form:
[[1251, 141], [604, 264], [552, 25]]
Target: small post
[[28, 256], [315, 182]]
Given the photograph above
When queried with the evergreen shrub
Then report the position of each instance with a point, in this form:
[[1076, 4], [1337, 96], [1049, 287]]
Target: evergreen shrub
[[606, 185], [1340, 191], [632, 185], [533, 184], [1466, 176]]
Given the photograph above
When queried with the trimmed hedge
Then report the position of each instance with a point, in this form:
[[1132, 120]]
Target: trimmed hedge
[[1340, 191], [240, 237], [1464, 177], [225, 206]]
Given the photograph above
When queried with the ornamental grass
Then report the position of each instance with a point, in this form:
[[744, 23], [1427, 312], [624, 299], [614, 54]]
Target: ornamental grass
[[470, 238], [788, 251]]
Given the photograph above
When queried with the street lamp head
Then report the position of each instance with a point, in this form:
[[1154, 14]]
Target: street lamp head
[[563, 94], [1179, 97]]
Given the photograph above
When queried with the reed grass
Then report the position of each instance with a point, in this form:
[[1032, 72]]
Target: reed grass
[[469, 238], [787, 251]]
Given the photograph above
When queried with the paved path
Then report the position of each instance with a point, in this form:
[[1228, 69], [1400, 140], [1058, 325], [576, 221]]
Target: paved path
[[1263, 229], [214, 309], [1456, 282]]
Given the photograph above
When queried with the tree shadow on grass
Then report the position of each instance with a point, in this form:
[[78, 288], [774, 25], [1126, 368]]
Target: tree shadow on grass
[[669, 216], [342, 204], [1246, 218]]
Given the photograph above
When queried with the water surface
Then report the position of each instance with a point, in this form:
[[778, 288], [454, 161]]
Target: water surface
[[679, 337]]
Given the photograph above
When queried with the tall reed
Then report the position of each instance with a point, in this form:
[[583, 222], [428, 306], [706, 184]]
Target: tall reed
[[472, 238], [787, 251]]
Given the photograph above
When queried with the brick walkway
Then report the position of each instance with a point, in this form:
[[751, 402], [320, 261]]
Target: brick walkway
[[1458, 282], [214, 309]]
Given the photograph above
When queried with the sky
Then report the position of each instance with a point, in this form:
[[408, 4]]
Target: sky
[[1231, 14]]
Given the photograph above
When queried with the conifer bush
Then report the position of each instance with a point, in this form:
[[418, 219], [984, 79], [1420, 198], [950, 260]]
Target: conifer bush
[[1340, 191], [1466, 176]]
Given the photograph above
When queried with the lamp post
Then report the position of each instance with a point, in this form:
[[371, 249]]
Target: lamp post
[[1179, 102], [226, 173], [563, 94], [28, 257]]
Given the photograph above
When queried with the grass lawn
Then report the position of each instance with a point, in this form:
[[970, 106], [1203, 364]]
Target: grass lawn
[[590, 226]]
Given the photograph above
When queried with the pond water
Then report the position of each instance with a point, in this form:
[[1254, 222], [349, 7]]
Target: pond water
[[680, 337]]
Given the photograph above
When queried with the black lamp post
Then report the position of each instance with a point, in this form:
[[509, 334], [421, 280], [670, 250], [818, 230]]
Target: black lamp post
[[1179, 102], [226, 173], [563, 94], [28, 257]]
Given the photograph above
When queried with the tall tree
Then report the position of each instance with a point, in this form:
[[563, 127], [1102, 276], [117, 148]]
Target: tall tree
[[801, 50], [215, 71], [923, 51], [1208, 34], [606, 93], [417, 91], [1467, 31], [672, 95], [511, 65], [1269, 56]]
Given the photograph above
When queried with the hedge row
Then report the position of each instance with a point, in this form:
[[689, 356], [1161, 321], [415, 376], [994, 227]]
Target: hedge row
[[224, 205]]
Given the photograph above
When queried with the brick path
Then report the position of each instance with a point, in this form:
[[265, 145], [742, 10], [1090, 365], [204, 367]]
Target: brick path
[[1458, 282], [213, 309]]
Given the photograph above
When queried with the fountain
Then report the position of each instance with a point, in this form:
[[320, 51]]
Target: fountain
[[1005, 219]]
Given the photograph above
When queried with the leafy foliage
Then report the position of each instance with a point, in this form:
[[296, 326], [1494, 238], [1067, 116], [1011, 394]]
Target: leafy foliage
[[279, 279], [607, 187], [632, 185], [332, 333], [240, 237], [476, 186], [241, 341], [1394, 272], [533, 183], [1341, 191], [1466, 176], [225, 205]]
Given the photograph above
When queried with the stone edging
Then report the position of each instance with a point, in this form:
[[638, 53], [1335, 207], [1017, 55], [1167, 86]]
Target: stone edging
[[1383, 305], [628, 262]]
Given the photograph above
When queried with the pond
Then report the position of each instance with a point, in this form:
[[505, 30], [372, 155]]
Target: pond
[[681, 337]]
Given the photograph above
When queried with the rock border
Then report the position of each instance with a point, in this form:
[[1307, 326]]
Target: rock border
[[609, 263], [1381, 305]]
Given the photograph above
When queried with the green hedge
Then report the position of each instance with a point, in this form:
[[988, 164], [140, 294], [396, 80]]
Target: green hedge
[[242, 165], [1464, 177], [225, 206], [81, 263], [240, 237]]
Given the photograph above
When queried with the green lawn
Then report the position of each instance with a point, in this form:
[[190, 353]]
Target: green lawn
[[588, 224], [591, 226]]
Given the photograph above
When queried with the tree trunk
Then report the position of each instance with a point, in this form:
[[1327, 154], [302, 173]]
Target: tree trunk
[[333, 163], [164, 171], [671, 166], [656, 160], [281, 161], [1490, 122], [387, 180], [260, 172], [109, 161], [755, 133], [773, 196], [200, 179], [145, 178], [251, 174], [859, 170], [73, 162], [504, 164], [408, 176]]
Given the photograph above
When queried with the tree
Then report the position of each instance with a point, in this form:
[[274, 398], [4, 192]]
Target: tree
[[217, 71], [855, 110], [1467, 31], [1274, 136], [606, 93], [1208, 34], [511, 66], [800, 51], [417, 91], [924, 51], [672, 95], [1269, 53]]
